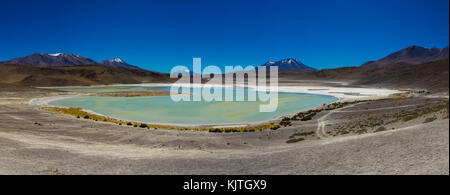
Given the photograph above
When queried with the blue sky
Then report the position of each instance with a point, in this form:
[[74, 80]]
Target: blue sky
[[158, 35]]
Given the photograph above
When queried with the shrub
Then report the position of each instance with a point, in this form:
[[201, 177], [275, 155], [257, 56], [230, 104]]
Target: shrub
[[428, 120], [143, 125], [285, 123], [361, 131], [306, 118], [344, 132], [303, 133], [215, 131], [86, 117], [381, 129], [129, 124], [275, 127], [295, 140], [409, 117], [285, 119]]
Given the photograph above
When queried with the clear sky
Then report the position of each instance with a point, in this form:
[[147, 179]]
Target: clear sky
[[158, 35]]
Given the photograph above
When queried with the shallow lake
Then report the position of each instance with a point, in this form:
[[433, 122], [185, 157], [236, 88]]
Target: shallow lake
[[162, 109]]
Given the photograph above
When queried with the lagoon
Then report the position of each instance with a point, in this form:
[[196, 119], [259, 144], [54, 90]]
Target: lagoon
[[163, 110]]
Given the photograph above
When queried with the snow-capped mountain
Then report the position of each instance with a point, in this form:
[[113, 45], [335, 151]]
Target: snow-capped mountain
[[288, 64], [62, 59], [117, 62], [45, 60]]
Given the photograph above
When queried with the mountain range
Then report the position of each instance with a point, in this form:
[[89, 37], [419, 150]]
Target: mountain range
[[61, 59], [409, 56], [412, 67], [412, 55]]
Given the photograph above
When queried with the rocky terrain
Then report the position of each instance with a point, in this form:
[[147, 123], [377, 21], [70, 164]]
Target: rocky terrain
[[399, 135], [394, 136]]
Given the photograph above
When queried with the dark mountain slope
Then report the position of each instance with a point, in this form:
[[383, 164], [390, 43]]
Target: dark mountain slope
[[409, 56], [433, 76], [26, 75]]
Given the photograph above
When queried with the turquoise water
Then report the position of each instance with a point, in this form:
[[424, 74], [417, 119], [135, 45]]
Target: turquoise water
[[161, 109]]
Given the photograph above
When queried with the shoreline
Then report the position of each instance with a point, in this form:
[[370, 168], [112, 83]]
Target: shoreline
[[344, 95]]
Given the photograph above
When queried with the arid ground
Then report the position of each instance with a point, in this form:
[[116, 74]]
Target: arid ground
[[395, 136]]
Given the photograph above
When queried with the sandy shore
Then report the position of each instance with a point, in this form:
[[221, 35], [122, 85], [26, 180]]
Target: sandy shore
[[44, 101], [342, 93]]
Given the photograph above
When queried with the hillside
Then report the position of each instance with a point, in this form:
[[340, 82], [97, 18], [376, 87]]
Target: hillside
[[25, 75], [433, 76], [409, 56]]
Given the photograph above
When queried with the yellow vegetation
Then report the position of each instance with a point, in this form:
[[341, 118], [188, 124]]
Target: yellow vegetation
[[79, 113]]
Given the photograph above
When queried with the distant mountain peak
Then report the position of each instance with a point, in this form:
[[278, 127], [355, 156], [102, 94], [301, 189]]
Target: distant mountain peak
[[56, 54], [117, 62], [290, 61], [114, 61], [288, 64], [410, 56]]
